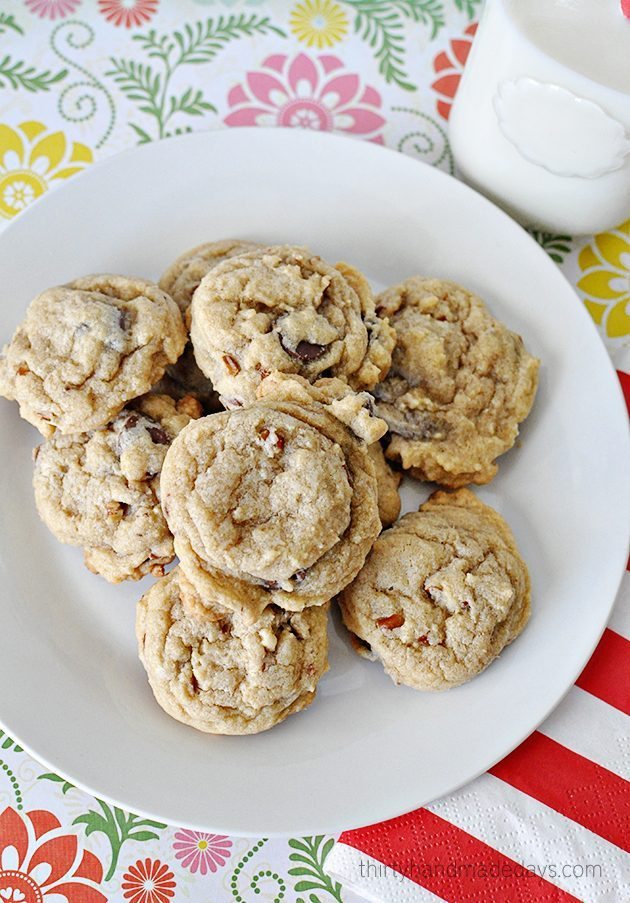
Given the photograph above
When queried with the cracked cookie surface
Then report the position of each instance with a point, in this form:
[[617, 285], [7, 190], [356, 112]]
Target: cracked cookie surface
[[441, 593], [356, 410], [87, 348], [101, 489], [281, 308], [184, 275], [459, 385], [275, 503], [221, 674]]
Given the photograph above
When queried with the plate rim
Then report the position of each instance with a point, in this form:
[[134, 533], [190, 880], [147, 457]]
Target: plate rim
[[299, 136]]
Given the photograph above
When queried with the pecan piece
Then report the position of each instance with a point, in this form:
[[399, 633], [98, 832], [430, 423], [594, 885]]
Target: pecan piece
[[231, 364], [391, 622]]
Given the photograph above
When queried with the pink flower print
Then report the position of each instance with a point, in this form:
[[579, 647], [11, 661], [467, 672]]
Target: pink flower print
[[52, 9], [307, 92], [201, 852], [129, 13]]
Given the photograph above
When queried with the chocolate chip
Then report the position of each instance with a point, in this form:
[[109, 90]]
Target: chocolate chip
[[131, 421], [124, 320], [158, 435], [305, 351]]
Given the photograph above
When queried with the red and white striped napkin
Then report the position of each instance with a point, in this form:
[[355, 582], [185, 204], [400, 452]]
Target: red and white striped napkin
[[551, 822]]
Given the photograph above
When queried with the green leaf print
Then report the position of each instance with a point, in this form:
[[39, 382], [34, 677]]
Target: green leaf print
[[18, 74], [118, 827], [66, 785], [7, 21], [381, 24], [7, 742], [557, 246], [148, 84], [311, 854], [469, 7]]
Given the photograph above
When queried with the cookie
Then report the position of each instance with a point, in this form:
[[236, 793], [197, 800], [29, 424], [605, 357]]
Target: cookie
[[441, 594], [87, 348], [387, 483], [274, 503], [356, 410], [101, 489], [282, 308], [459, 385], [184, 275], [212, 670]]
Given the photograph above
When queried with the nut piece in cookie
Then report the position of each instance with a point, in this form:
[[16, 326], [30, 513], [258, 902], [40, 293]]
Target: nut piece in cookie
[[87, 348], [441, 594], [281, 308], [459, 385], [217, 672], [101, 489], [274, 503], [184, 275]]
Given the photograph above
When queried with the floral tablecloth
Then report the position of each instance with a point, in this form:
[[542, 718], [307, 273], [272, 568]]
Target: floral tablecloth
[[83, 79]]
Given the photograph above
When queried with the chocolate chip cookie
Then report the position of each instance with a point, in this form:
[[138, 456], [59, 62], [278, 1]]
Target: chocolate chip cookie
[[274, 503], [356, 410], [441, 594], [219, 673], [184, 275], [87, 348], [387, 483], [282, 308], [101, 489], [459, 385]]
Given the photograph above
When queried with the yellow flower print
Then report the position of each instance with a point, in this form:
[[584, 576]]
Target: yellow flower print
[[605, 264], [319, 23], [31, 159]]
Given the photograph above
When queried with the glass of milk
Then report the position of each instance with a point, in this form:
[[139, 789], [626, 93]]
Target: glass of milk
[[541, 120]]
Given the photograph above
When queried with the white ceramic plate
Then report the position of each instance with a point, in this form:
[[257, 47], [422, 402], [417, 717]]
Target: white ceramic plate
[[71, 687]]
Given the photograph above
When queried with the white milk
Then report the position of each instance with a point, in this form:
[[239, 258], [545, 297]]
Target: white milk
[[541, 121]]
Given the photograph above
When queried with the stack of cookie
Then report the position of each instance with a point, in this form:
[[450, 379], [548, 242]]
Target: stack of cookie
[[275, 501]]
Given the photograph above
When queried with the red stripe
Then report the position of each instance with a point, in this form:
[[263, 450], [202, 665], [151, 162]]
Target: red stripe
[[580, 789], [624, 379], [448, 861], [607, 674]]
